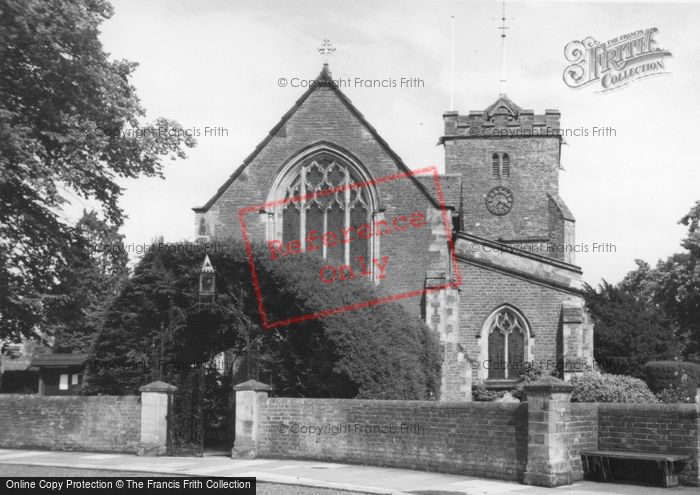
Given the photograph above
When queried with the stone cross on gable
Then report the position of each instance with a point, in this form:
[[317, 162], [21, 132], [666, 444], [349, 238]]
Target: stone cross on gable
[[326, 50]]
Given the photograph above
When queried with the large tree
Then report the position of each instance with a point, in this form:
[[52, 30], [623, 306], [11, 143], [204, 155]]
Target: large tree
[[628, 332], [673, 286], [95, 270], [654, 313], [375, 352], [67, 119]]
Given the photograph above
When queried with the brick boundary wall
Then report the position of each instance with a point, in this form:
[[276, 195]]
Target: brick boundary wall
[[583, 434], [89, 423], [665, 428], [538, 442], [486, 439]]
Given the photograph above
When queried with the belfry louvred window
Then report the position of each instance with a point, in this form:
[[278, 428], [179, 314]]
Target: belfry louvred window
[[507, 341], [505, 165], [322, 202], [500, 165]]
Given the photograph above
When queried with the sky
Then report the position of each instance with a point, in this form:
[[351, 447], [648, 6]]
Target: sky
[[215, 63]]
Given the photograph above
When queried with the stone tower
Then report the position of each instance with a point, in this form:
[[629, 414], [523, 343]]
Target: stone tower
[[509, 159]]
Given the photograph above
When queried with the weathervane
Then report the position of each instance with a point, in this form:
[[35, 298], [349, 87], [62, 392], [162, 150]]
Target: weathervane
[[325, 50]]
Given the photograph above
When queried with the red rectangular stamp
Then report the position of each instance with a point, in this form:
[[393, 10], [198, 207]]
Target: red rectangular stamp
[[330, 214]]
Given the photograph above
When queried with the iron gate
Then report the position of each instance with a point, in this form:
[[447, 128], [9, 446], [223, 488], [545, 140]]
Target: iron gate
[[185, 417]]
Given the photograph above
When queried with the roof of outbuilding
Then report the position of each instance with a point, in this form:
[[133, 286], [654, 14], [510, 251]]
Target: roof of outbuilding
[[59, 360]]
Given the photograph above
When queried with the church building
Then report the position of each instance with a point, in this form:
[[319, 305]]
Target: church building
[[500, 287]]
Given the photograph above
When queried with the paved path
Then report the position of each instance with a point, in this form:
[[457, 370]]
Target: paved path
[[364, 479]]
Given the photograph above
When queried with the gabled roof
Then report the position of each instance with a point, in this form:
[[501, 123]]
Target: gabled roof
[[59, 360], [324, 79], [451, 186], [501, 104]]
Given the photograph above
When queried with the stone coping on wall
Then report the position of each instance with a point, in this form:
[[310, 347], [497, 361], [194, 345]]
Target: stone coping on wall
[[681, 410], [399, 403]]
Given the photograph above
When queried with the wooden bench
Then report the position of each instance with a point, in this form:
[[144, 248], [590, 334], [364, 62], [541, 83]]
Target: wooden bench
[[597, 465]]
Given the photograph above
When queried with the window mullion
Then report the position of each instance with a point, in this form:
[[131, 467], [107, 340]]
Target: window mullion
[[346, 247], [505, 355], [325, 230], [302, 206]]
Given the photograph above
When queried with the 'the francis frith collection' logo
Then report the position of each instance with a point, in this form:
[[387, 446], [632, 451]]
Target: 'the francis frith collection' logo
[[616, 62]]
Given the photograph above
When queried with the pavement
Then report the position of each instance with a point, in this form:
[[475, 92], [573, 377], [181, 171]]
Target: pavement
[[350, 477]]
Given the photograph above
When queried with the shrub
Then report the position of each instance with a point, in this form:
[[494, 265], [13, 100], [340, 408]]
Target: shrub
[[601, 387], [482, 394], [531, 375], [672, 381]]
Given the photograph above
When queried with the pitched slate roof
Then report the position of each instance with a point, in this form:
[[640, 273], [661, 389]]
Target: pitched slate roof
[[323, 80], [59, 360], [451, 186]]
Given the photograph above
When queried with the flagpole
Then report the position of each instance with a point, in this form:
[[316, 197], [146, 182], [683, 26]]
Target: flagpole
[[452, 66]]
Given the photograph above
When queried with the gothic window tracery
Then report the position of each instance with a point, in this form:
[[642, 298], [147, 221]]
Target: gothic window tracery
[[320, 201], [507, 344]]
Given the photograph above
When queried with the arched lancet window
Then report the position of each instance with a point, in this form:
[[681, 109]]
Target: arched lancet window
[[319, 207], [507, 335]]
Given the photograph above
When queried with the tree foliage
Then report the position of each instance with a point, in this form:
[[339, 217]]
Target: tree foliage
[[673, 286], [628, 333], [673, 381], [95, 268], [64, 110], [374, 352], [654, 313]]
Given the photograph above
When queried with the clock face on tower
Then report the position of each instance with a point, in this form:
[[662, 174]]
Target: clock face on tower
[[499, 200]]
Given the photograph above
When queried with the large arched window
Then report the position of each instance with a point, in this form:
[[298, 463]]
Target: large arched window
[[507, 340], [317, 205]]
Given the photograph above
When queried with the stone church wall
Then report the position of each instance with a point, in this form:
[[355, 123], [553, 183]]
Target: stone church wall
[[323, 117], [485, 290]]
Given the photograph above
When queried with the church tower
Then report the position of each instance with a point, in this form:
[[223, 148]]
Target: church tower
[[519, 305], [509, 159]]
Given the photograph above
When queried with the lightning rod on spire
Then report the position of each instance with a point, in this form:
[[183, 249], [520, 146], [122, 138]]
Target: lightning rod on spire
[[503, 28]]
